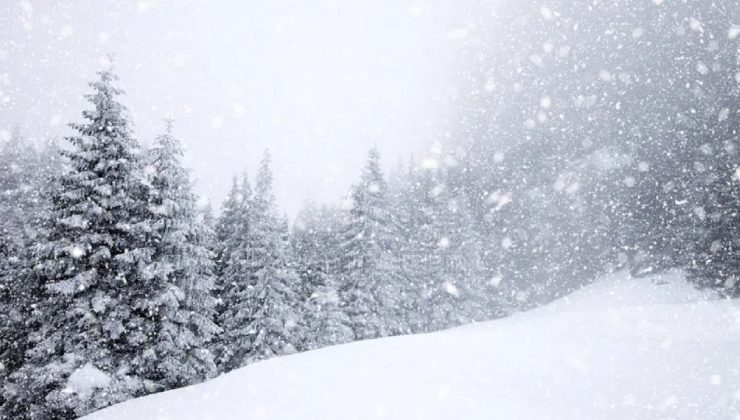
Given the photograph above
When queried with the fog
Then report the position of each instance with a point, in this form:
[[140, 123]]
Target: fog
[[318, 83]]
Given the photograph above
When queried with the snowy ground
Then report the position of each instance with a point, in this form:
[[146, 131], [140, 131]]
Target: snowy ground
[[619, 349]]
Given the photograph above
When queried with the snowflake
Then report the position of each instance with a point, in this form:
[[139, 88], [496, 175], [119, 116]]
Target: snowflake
[[451, 289], [443, 243], [77, 252]]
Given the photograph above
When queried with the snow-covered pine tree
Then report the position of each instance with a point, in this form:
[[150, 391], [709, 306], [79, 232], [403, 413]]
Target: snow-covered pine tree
[[370, 277], [403, 203], [206, 217], [24, 187], [234, 268], [714, 228], [179, 274], [14, 157], [716, 262], [206, 238], [229, 224], [272, 290], [313, 250], [207, 223], [87, 274], [327, 322], [311, 243], [432, 306]]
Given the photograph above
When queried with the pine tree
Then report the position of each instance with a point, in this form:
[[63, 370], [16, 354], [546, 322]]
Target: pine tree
[[273, 284], [431, 303], [179, 274], [371, 280], [233, 262], [86, 273], [23, 203], [311, 243], [229, 225], [14, 156], [313, 250], [716, 262], [714, 228]]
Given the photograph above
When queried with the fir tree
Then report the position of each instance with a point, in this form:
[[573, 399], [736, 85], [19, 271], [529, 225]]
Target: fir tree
[[229, 225], [313, 251], [431, 304], [714, 226], [23, 204], [87, 273], [179, 274], [234, 267], [370, 278], [271, 295]]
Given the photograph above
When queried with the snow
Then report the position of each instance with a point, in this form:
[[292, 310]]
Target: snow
[[85, 380], [621, 348]]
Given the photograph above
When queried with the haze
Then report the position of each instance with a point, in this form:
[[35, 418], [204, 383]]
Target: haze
[[317, 83]]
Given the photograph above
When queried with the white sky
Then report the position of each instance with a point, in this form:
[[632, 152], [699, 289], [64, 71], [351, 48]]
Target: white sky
[[316, 81]]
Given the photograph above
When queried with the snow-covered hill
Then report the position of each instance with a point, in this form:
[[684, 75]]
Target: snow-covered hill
[[651, 348]]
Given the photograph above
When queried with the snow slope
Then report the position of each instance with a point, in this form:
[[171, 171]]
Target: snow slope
[[651, 348]]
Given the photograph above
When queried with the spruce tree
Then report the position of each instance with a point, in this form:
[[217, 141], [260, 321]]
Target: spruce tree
[[234, 268], [432, 306], [371, 280], [87, 274], [229, 224], [714, 231], [179, 274], [23, 203], [14, 157], [273, 284], [313, 250]]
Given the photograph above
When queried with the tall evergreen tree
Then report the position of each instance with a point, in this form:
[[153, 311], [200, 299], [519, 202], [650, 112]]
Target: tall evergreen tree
[[714, 226], [313, 252], [433, 306], [230, 225], [24, 186], [233, 262], [259, 287], [275, 309], [371, 280], [87, 272], [179, 274]]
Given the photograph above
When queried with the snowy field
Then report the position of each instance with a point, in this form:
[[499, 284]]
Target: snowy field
[[622, 348]]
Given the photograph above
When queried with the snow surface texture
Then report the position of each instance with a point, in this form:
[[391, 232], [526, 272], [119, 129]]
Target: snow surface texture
[[84, 380], [650, 348]]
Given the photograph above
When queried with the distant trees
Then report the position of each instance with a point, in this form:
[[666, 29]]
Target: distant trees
[[715, 250], [618, 165]]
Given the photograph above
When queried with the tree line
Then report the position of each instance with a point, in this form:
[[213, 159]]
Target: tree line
[[115, 284]]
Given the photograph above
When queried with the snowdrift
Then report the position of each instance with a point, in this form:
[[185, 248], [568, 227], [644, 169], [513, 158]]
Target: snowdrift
[[650, 348]]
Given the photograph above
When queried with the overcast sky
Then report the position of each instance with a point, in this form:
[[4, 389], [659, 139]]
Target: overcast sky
[[317, 82]]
